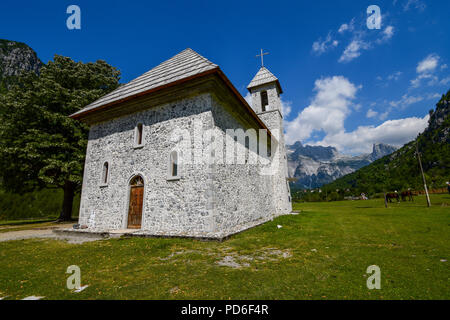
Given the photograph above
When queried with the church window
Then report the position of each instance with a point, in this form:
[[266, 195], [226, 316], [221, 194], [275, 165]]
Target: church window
[[139, 135], [105, 173], [173, 166], [264, 100]]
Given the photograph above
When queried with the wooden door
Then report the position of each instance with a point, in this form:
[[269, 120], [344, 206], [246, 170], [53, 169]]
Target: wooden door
[[135, 209]]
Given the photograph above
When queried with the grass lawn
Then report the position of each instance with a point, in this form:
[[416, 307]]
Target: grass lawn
[[321, 253]]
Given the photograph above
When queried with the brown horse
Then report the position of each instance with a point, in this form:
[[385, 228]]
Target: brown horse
[[408, 194], [392, 195]]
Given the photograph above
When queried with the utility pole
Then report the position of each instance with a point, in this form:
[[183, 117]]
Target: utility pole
[[423, 176]]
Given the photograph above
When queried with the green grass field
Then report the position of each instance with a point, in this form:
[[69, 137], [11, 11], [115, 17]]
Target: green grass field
[[321, 253]]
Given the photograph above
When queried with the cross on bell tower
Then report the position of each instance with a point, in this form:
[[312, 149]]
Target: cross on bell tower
[[262, 57], [265, 89]]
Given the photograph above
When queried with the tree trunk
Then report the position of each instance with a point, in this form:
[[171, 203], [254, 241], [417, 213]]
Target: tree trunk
[[69, 193], [385, 200]]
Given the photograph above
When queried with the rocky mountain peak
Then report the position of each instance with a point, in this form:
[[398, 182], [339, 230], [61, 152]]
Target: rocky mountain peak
[[15, 58], [314, 166], [379, 150]]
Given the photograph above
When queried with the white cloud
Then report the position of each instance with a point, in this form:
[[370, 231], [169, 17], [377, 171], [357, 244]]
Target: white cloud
[[384, 115], [353, 50], [347, 26], [431, 96], [389, 31], [343, 28], [387, 34], [428, 64], [444, 66], [432, 80], [248, 98], [445, 81], [425, 69], [395, 76], [393, 132], [371, 113], [416, 4], [405, 101], [332, 104], [286, 107], [327, 110], [320, 46]]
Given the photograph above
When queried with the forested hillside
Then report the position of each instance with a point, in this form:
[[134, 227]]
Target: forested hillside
[[400, 170]]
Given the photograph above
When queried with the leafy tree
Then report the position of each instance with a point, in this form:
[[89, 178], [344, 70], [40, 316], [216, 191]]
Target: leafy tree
[[40, 145]]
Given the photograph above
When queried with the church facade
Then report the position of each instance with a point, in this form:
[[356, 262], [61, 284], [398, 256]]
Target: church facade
[[179, 152]]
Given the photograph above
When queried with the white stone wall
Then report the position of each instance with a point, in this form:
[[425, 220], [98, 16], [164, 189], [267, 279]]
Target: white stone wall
[[169, 206], [207, 199], [282, 194], [242, 195], [274, 121]]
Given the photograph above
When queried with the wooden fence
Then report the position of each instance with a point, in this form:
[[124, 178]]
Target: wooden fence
[[432, 191]]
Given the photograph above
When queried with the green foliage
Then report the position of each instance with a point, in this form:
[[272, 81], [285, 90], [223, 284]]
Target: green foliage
[[400, 170], [40, 145], [37, 204]]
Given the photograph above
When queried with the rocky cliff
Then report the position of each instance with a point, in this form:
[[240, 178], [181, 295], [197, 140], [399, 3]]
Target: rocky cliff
[[314, 166], [15, 58]]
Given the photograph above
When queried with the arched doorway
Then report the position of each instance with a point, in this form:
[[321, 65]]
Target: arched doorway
[[136, 202]]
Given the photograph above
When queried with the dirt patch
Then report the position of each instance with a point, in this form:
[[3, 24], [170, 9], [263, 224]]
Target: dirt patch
[[229, 261], [236, 261], [227, 257]]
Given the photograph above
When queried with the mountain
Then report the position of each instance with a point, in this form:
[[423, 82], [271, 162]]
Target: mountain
[[15, 58], [315, 166], [400, 170]]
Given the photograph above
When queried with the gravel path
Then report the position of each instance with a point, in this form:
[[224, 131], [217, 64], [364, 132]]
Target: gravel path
[[45, 232]]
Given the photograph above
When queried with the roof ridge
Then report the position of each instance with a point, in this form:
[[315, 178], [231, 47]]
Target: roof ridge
[[184, 64], [264, 76]]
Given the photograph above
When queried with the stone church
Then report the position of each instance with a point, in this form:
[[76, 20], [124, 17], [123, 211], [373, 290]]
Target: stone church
[[155, 155]]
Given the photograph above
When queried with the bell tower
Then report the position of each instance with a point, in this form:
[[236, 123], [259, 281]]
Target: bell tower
[[265, 90]]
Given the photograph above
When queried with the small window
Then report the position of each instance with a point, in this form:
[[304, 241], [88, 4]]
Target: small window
[[105, 173], [173, 166], [139, 135], [264, 101]]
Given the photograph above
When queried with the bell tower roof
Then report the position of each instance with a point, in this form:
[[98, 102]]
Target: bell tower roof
[[264, 76]]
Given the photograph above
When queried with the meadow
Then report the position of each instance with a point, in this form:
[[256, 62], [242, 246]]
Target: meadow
[[321, 253]]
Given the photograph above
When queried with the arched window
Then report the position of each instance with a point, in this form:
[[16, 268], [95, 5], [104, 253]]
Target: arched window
[[105, 173], [139, 135], [173, 166], [137, 181], [264, 101]]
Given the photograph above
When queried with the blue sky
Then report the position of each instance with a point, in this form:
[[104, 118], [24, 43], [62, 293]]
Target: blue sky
[[344, 85]]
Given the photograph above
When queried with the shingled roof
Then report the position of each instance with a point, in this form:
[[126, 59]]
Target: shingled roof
[[264, 76], [186, 64]]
